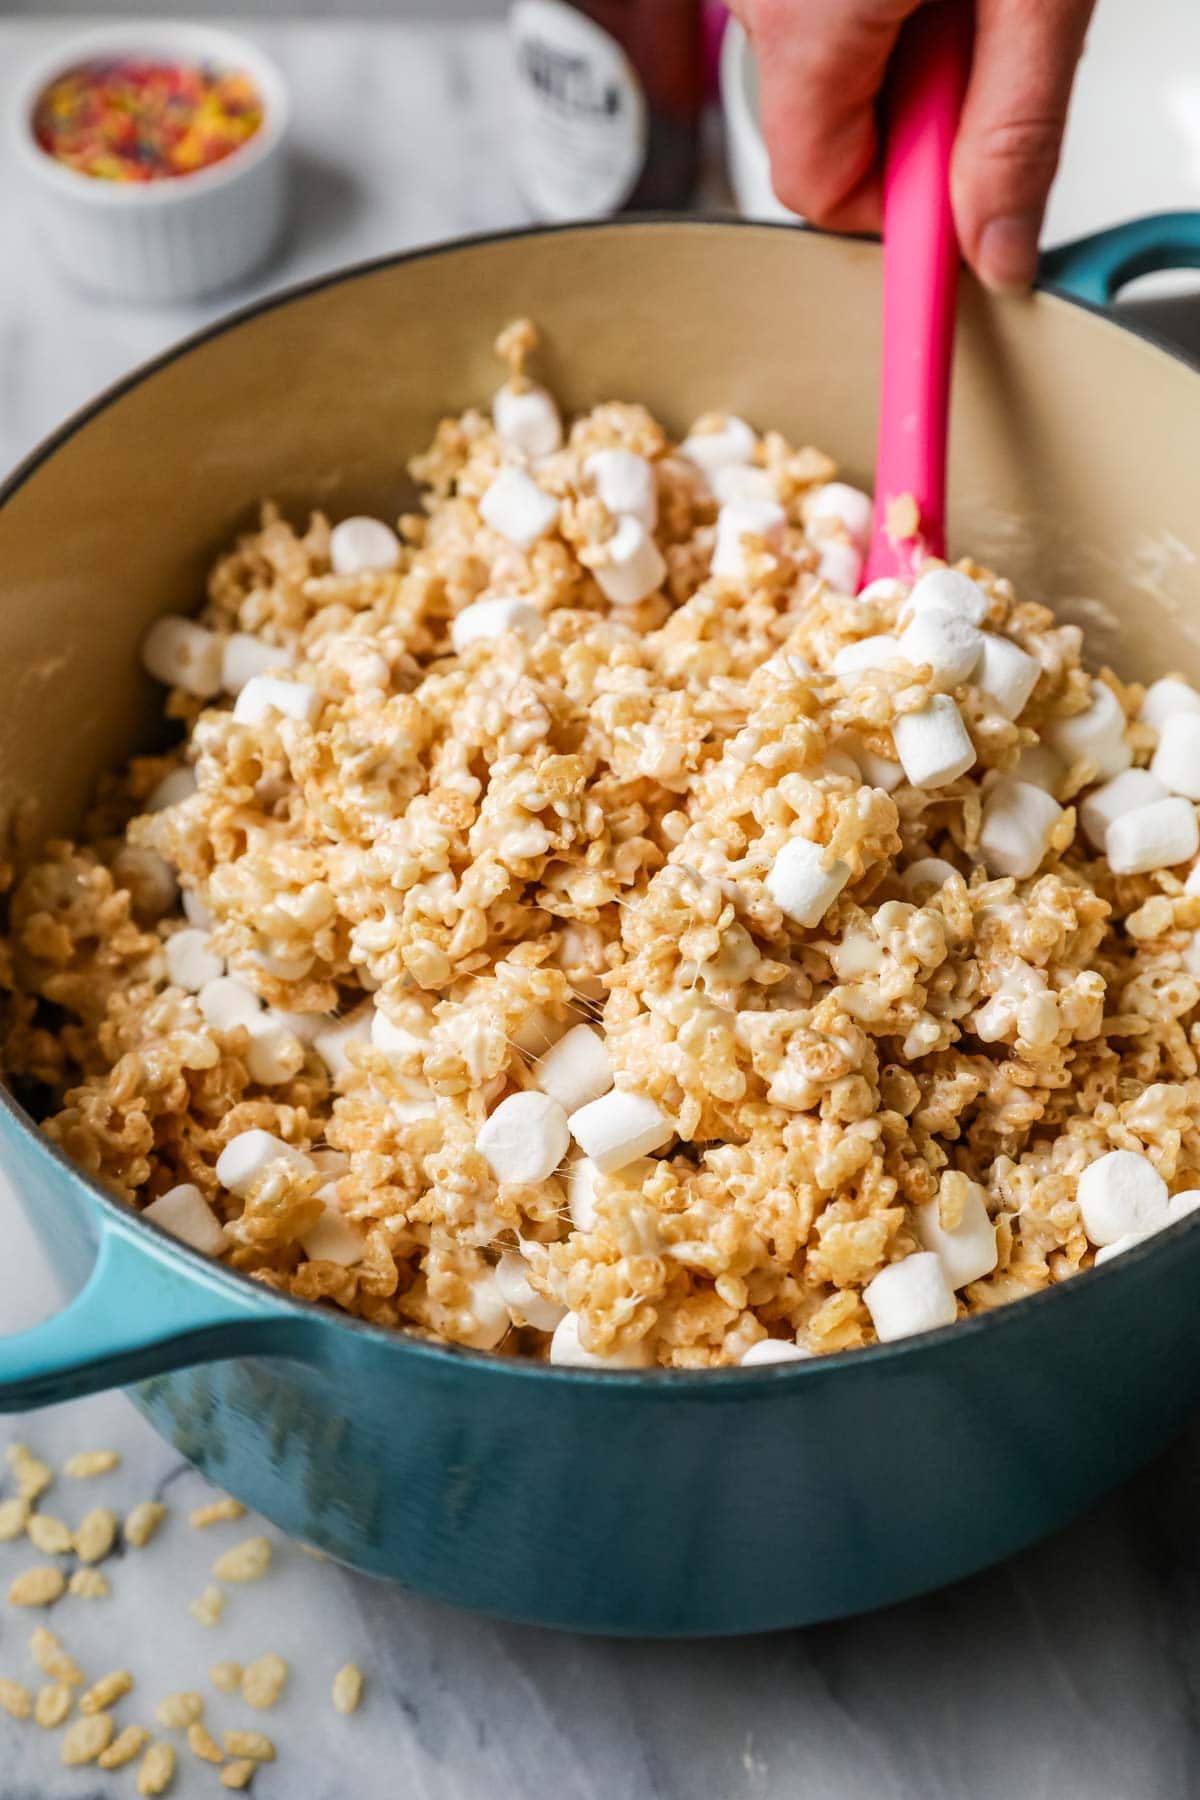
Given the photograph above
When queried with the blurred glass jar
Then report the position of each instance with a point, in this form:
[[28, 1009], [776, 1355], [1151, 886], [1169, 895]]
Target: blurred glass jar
[[609, 98]]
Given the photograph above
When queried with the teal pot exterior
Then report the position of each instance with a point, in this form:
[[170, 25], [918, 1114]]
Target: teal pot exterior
[[647, 1502]]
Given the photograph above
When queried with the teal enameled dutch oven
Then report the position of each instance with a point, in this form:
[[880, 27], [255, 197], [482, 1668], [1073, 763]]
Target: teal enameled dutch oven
[[650, 1503]]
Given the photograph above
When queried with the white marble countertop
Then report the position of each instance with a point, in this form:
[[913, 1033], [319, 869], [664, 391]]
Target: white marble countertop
[[1073, 1671]]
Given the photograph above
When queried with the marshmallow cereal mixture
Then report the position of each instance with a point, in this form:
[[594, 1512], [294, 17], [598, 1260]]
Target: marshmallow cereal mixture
[[571, 924]]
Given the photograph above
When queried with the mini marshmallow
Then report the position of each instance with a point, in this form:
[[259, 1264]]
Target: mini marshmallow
[[741, 481], [227, 1003], [492, 619], [1192, 884], [879, 652], [243, 657], [490, 1317], [568, 1352], [525, 1138], [773, 1350], [536, 1032], [191, 960], [527, 419], [933, 744], [733, 442], [265, 694], [801, 885], [275, 1054], [1007, 674], [247, 1155], [1180, 1205], [625, 483], [1131, 789], [526, 1306], [1040, 767], [947, 642], [334, 1238], [195, 911], [516, 507], [332, 1042], [576, 1070], [1152, 837], [1107, 1251], [743, 519], [1017, 821], [615, 1130], [1164, 697], [886, 591], [1096, 734], [967, 1253], [186, 1214], [393, 1039], [305, 1026], [878, 771], [928, 875], [1176, 762], [581, 1193], [359, 545], [910, 1296], [182, 654], [172, 790], [840, 566], [836, 503], [632, 567], [949, 590], [1121, 1193]]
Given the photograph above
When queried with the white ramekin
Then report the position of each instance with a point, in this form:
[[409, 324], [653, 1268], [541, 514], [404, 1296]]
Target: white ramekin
[[746, 151], [161, 240]]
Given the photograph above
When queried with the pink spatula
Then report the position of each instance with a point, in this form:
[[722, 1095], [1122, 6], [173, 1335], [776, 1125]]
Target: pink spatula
[[927, 81]]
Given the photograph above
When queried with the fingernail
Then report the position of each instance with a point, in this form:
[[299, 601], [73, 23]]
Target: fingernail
[[1008, 252]]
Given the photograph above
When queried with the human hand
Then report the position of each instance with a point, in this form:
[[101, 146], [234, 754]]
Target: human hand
[[823, 64]]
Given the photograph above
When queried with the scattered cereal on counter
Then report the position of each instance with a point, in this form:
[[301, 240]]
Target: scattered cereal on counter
[[38, 1587], [203, 1745], [238, 1774], [157, 1770], [95, 1534], [208, 1606], [15, 1699], [253, 1744], [175, 1712], [106, 1692], [247, 1561], [215, 1511], [53, 1703], [33, 1476], [142, 1521], [88, 1584], [85, 1738], [226, 1677], [49, 1535], [87, 1463], [53, 1660], [263, 1681], [13, 1514], [347, 1688], [124, 1747]]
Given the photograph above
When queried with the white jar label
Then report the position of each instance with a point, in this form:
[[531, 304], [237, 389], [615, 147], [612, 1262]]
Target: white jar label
[[581, 113]]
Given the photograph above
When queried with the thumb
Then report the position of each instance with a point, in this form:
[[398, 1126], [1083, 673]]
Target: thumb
[[1015, 112]]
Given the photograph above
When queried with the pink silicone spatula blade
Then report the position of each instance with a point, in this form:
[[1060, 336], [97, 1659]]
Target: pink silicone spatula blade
[[927, 81]]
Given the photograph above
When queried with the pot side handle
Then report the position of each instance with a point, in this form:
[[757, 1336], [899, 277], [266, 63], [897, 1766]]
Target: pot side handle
[[1095, 268], [140, 1313]]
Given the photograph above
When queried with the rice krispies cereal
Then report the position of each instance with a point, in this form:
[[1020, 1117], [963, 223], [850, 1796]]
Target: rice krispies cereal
[[578, 825]]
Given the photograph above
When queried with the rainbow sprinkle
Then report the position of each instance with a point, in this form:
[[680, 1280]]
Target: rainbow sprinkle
[[134, 119]]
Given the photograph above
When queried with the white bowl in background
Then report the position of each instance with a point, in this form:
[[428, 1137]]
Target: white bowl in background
[[160, 240], [746, 151]]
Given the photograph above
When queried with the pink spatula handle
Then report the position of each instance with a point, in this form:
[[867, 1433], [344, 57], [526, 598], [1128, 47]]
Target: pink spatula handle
[[927, 82]]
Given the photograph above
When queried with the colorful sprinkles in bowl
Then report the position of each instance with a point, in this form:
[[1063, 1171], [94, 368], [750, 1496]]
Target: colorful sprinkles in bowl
[[142, 119]]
